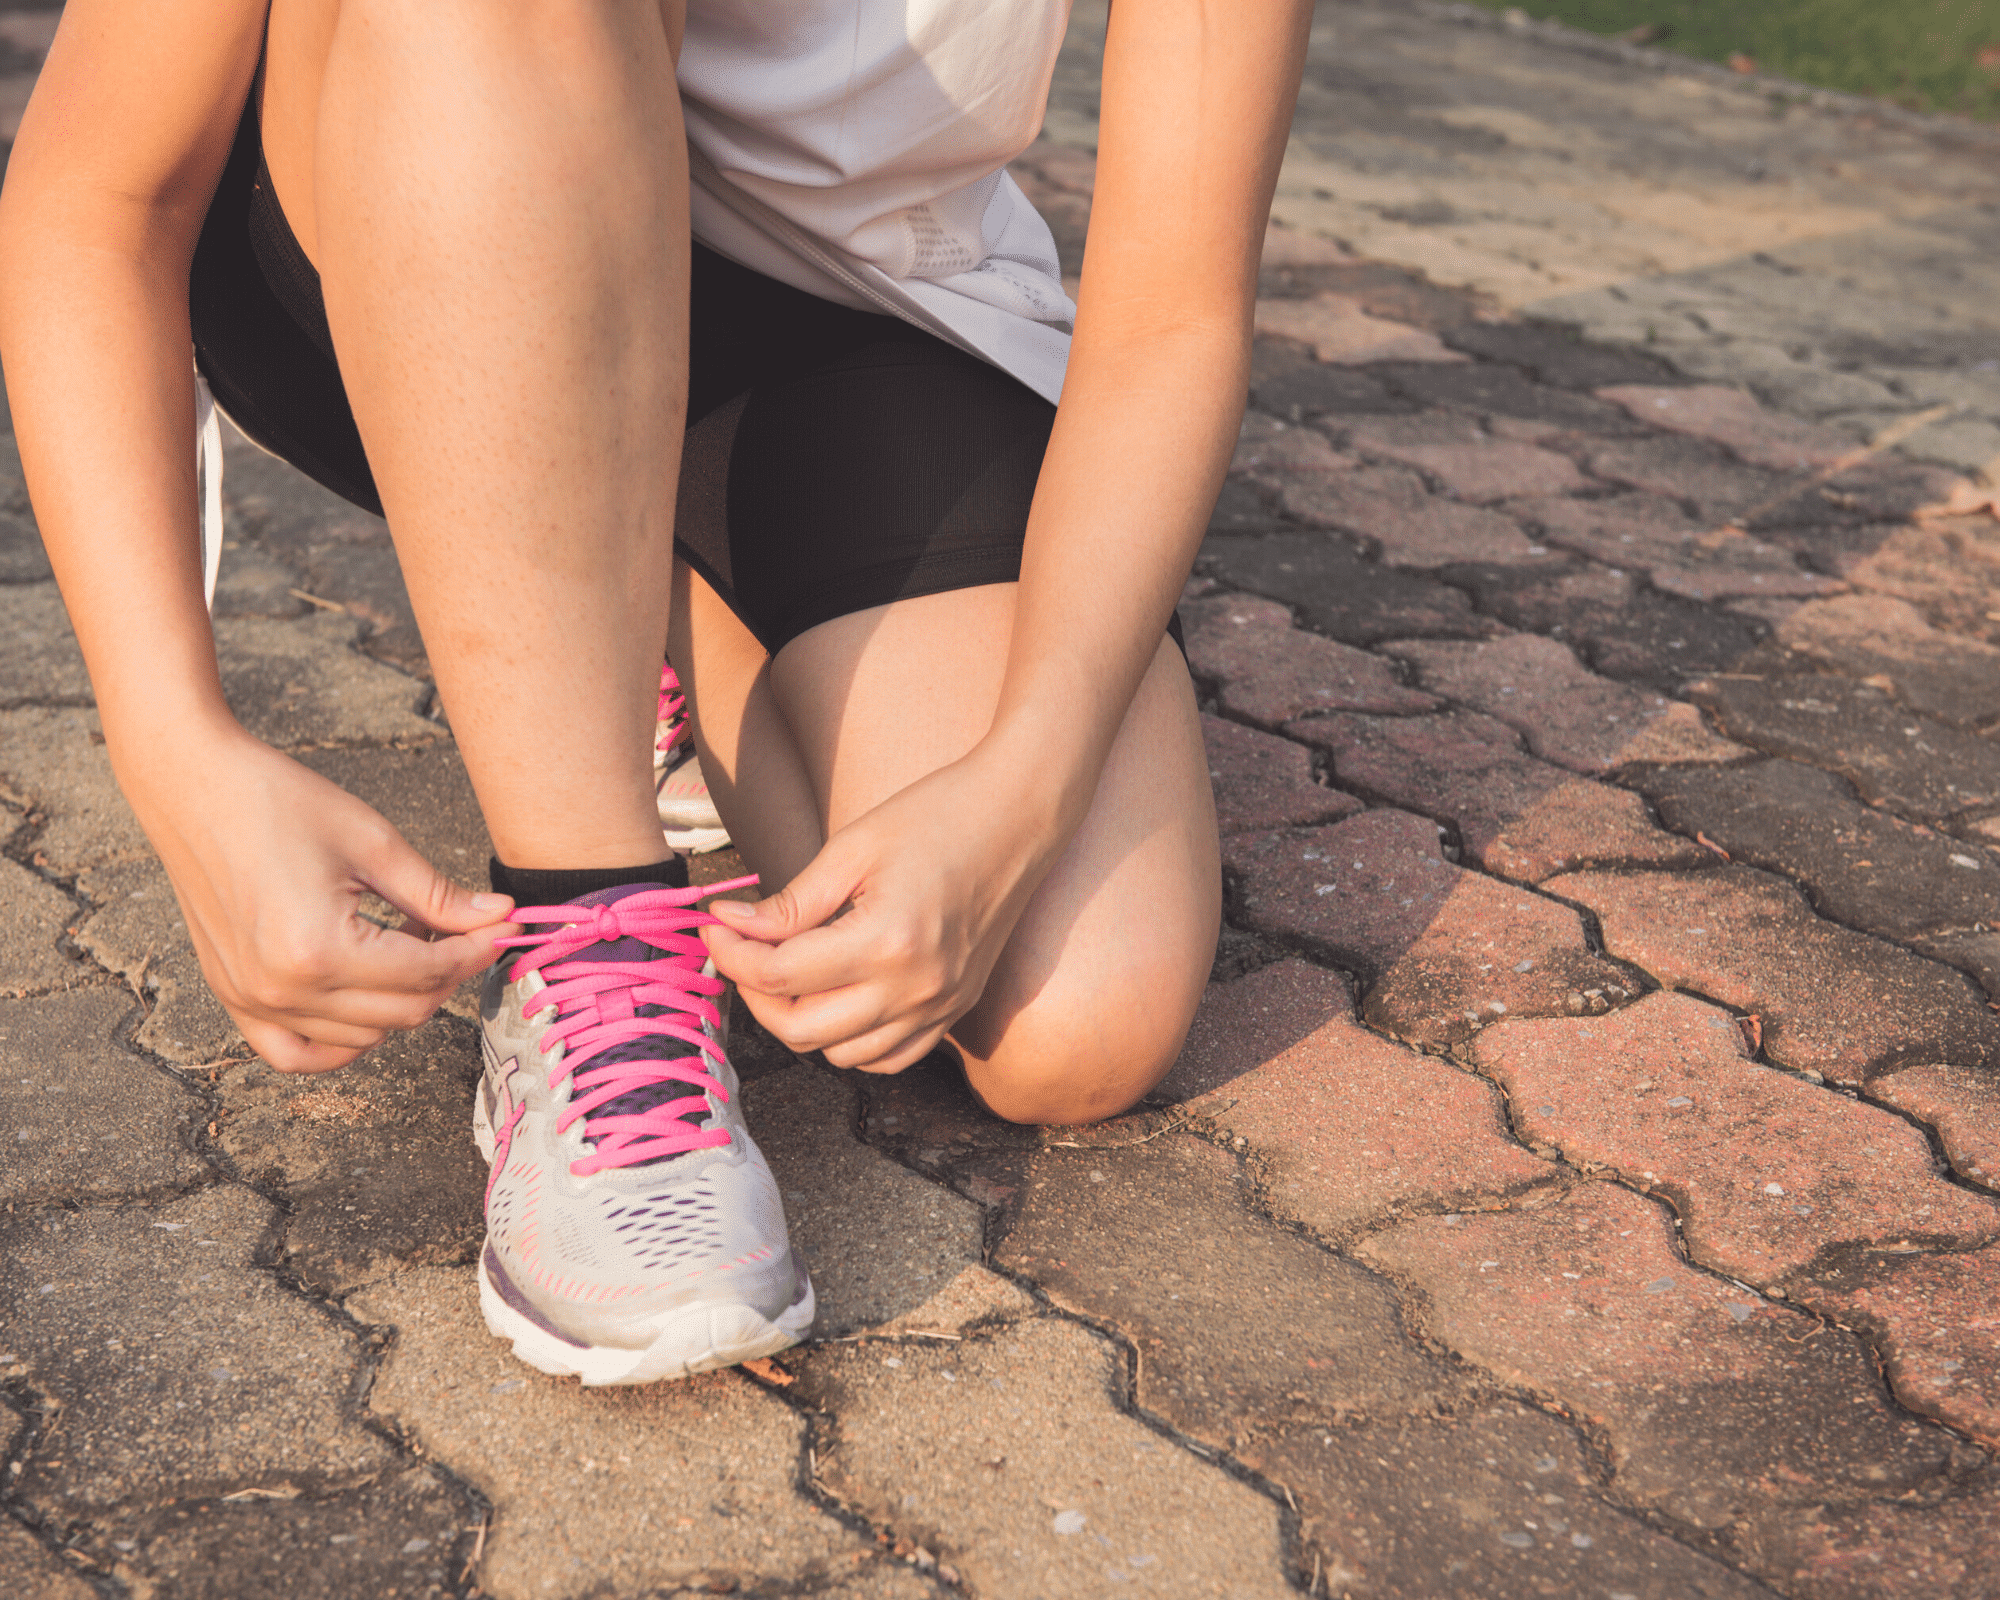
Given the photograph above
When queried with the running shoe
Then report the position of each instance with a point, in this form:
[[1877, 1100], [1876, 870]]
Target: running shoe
[[633, 1229], [687, 814]]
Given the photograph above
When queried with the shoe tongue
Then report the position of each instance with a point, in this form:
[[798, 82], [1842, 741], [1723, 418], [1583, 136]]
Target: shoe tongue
[[656, 1047]]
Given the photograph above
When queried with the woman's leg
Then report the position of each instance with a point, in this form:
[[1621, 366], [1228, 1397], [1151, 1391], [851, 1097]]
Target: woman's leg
[[1087, 1008], [496, 198]]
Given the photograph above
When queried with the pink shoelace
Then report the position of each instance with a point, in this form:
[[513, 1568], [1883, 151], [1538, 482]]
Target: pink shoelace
[[597, 1005], [672, 704]]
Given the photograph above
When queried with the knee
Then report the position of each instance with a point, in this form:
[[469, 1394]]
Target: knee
[[1070, 1065]]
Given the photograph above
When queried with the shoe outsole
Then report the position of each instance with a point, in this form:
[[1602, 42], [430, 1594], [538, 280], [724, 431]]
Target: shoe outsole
[[697, 841], [703, 1339]]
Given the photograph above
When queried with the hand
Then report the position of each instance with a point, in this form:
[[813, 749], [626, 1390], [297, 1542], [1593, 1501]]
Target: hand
[[269, 862], [890, 933]]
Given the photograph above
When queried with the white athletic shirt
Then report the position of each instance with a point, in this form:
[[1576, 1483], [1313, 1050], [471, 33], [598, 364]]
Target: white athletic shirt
[[857, 149]]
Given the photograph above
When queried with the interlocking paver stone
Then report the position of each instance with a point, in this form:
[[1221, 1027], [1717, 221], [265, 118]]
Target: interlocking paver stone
[[1340, 329], [1900, 757], [84, 1118], [1713, 1400], [183, 1370], [376, 1161], [1269, 452], [1684, 556], [889, 1251], [1300, 389], [1410, 526], [1733, 419], [1568, 714], [1706, 479], [691, 1484], [407, 1535], [1471, 463], [1500, 392], [39, 659], [34, 915], [1008, 1458], [1337, 592], [1313, 1337], [1873, 635], [1829, 1000], [304, 683], [1344, 1127], [52, 764], [1517, 817], [1621, 627], [1269, 671], [1877, 1551], [1446, 950], [1262, 781], [1554, 354], [1860, 865], [1938, 1320], [1766, 1171], [1493, 1500], [1961, 1103], [138, 933]]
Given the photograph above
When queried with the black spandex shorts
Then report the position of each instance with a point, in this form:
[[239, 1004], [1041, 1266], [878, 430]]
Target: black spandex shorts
[[835, 459]]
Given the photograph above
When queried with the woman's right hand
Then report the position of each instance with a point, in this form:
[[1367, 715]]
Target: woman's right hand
[[270, 862]]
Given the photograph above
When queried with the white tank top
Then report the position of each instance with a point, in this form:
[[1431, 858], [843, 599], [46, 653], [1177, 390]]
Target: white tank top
[[857, 149]]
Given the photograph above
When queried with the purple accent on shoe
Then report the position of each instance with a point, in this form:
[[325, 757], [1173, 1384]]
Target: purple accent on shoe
[[504, 1287]]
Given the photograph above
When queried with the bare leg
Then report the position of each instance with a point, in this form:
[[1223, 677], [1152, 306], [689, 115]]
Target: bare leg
[[1087, 1008], [496, 198]]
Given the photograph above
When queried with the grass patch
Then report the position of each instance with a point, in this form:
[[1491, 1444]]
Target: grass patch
[[1929, 55]]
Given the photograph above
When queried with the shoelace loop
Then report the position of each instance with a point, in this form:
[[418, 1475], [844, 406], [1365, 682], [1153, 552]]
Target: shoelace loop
[[598, 1004]]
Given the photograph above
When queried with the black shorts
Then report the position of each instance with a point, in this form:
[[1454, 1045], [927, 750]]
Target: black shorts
[[835, 459]]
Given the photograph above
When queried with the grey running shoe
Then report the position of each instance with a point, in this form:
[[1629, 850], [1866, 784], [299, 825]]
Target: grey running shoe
[[633, 1230], [680, 789]]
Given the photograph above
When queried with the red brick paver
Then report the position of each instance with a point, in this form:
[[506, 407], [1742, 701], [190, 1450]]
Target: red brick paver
[[1269, 671], [1961, 1103], [1733, 419], [1766, 1170], [1262, 781]]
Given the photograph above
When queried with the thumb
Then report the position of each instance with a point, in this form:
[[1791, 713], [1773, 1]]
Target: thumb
[[814, 897], [427, 897]]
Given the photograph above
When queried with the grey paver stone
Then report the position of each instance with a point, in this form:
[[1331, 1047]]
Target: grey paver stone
[[84, 1117], [1342, 1126], [303, 682], [1914, 763], [1734, 420], [1709, 481], [1568, 714], [1473, 464], [889, 1251], [425, 793], [52, 762], [1879, 636], [183, 1370], [1008, 1458], [1317, 1339], [34, 916], [138, 933], [1495, 1500], [255, 583], [39, 660], [1860, 865], [1689, 557], [1587, 1300], [686, 1483], [1828, 1000], [1446, 950], [1410, 526], [406, 1535], [1490, 389], [1517, 817], [1554, 354], [375, 1161], [1339, 592], [22, 558]]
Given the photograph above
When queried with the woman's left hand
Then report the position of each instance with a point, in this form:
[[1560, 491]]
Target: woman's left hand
[[890, 933]]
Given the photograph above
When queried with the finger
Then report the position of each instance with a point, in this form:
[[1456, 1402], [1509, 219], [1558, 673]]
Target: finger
[[388, 961], [808, 963], [811, 899], [369, 1010], [887, 1050], [293, 1052], [418, 890], [823, 1021]]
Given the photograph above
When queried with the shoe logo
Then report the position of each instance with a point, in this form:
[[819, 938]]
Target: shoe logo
[[506, 1116]]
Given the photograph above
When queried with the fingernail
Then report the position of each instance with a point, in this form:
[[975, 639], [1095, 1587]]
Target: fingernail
[[730, 909], [491, 902]]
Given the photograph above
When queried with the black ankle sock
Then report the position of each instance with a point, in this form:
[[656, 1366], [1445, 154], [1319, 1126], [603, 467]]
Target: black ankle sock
[[554, 886]]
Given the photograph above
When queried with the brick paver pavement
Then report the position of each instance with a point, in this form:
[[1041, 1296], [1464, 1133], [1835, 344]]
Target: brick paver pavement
[[1583, 1178]]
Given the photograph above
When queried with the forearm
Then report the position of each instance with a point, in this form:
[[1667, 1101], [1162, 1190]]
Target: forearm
[[1141, 443], [95, 340]]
